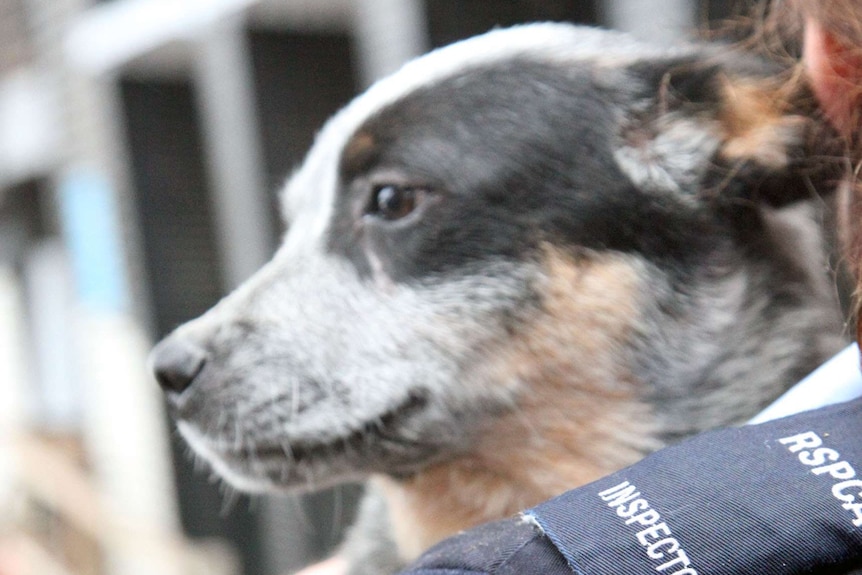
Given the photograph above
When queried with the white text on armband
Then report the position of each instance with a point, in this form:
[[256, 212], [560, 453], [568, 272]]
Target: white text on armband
[[655, 536], [825, 461]]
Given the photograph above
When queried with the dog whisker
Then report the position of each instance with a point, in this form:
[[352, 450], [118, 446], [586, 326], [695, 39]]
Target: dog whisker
[[586, 247], [230, 498], [294, 403], [288, 452]]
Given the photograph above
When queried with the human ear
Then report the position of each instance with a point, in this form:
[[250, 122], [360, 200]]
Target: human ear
[[834, 69]]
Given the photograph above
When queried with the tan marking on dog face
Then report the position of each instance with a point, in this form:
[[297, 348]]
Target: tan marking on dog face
[[359, 151], [577, 418], [757, 124]]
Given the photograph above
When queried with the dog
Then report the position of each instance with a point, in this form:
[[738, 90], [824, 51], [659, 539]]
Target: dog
[[520, 263]]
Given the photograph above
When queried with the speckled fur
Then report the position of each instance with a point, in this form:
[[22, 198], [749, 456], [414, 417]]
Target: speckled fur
[[502, 378]]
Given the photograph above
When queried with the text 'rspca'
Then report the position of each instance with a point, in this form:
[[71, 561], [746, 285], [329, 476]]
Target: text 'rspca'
[[655, 536], [825, 461]]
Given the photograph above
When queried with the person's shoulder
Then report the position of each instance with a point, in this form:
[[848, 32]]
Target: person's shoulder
[[507, 547]]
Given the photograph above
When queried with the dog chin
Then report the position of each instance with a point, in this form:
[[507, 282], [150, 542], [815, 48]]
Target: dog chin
[[204, 448], [385, 446]]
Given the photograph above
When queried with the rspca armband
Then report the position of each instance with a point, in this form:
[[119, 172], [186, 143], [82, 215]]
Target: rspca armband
[[783, 497]]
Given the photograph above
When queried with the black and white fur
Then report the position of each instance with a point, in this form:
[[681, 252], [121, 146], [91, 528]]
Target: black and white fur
[[519, 263]]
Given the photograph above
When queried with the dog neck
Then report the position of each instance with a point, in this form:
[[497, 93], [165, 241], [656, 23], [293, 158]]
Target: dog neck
[[553, 443]]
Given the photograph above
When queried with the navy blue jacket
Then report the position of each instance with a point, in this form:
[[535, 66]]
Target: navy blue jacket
[[776, 498]]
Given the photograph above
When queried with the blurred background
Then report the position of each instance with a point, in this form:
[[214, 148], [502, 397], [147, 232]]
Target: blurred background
[[142, 145]]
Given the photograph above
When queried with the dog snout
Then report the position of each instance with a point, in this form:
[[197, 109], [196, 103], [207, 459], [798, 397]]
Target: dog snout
[[176, 362]]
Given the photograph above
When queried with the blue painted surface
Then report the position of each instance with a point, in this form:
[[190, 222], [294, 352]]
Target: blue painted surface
[[90, 221]]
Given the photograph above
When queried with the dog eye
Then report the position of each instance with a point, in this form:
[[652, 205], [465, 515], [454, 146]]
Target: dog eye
[[392, 202]]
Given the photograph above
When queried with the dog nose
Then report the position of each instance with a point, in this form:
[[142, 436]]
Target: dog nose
[[176, 362]]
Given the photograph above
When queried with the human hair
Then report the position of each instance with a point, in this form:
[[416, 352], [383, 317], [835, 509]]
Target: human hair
[[833, 28], [842, 17], [819, 45]]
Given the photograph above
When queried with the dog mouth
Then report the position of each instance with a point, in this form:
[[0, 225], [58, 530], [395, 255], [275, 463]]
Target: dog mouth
[[383, 428], [381, 444]]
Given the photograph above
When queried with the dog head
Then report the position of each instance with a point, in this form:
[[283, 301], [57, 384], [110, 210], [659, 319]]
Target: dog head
[[549, 238]]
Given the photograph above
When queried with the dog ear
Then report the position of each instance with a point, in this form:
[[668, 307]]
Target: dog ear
[[728, 135], [775, 147]]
